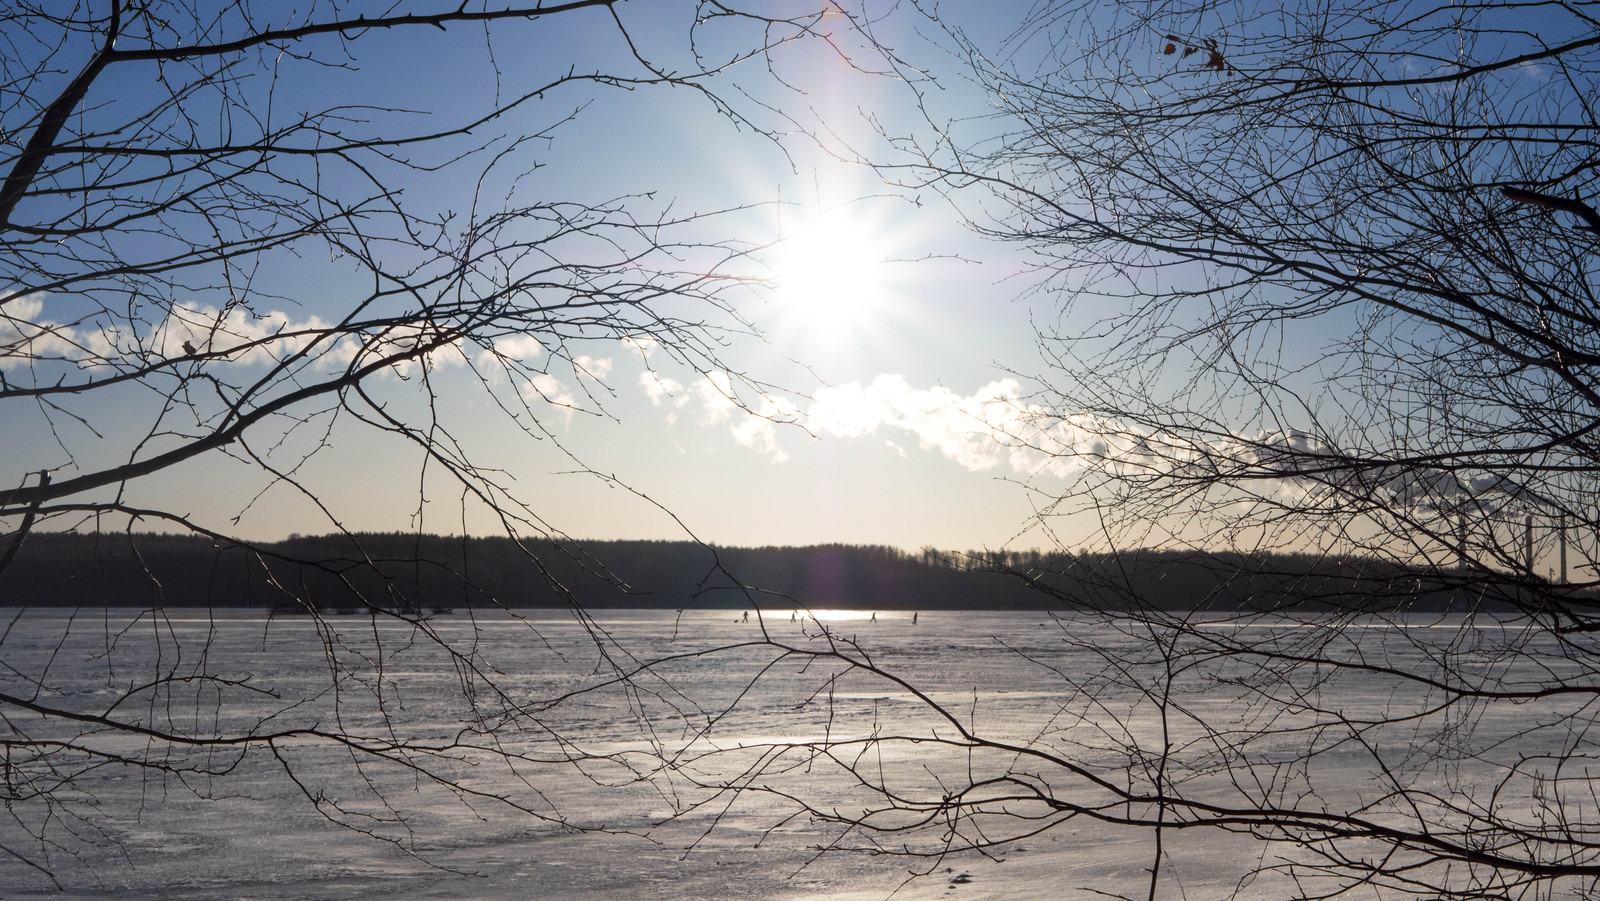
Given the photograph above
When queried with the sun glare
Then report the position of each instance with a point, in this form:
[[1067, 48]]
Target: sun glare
[[830, 272]]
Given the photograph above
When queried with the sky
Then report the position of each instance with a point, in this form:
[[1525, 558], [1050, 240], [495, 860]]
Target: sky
[[892, 341], [863, 368]]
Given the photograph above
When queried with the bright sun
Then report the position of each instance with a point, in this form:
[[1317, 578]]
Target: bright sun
[[830, 272]]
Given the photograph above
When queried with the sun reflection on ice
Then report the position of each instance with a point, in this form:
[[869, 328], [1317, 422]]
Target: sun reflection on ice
[[830, 615]]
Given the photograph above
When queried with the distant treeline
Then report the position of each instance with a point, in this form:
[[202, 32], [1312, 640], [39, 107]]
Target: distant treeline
[[429, 573]]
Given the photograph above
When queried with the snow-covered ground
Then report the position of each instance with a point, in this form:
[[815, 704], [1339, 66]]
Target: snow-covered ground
[[251, 832]]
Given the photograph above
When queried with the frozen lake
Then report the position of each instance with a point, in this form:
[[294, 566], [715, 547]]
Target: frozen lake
[[225, 823]]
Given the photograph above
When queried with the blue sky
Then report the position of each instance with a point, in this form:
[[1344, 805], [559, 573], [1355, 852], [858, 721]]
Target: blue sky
[[878, 351], [883, 336]]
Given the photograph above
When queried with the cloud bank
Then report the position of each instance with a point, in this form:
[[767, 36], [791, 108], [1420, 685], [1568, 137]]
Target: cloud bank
[[993, 428], [997, 429]]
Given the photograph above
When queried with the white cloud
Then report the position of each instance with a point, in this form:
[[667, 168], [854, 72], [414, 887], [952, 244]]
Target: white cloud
[[593, 367], [761, 436], [519, 347], [25, 336], [239, 335], [715, 394], [990, 428], [971, 429], [995, 427], [661, 389], [233, 335], [645, 345]]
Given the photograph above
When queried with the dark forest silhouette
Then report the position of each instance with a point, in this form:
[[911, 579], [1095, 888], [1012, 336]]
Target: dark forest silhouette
[[427, 574]]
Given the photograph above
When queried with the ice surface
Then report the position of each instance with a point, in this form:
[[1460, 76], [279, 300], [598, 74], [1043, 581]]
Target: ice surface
[[252, 833]]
